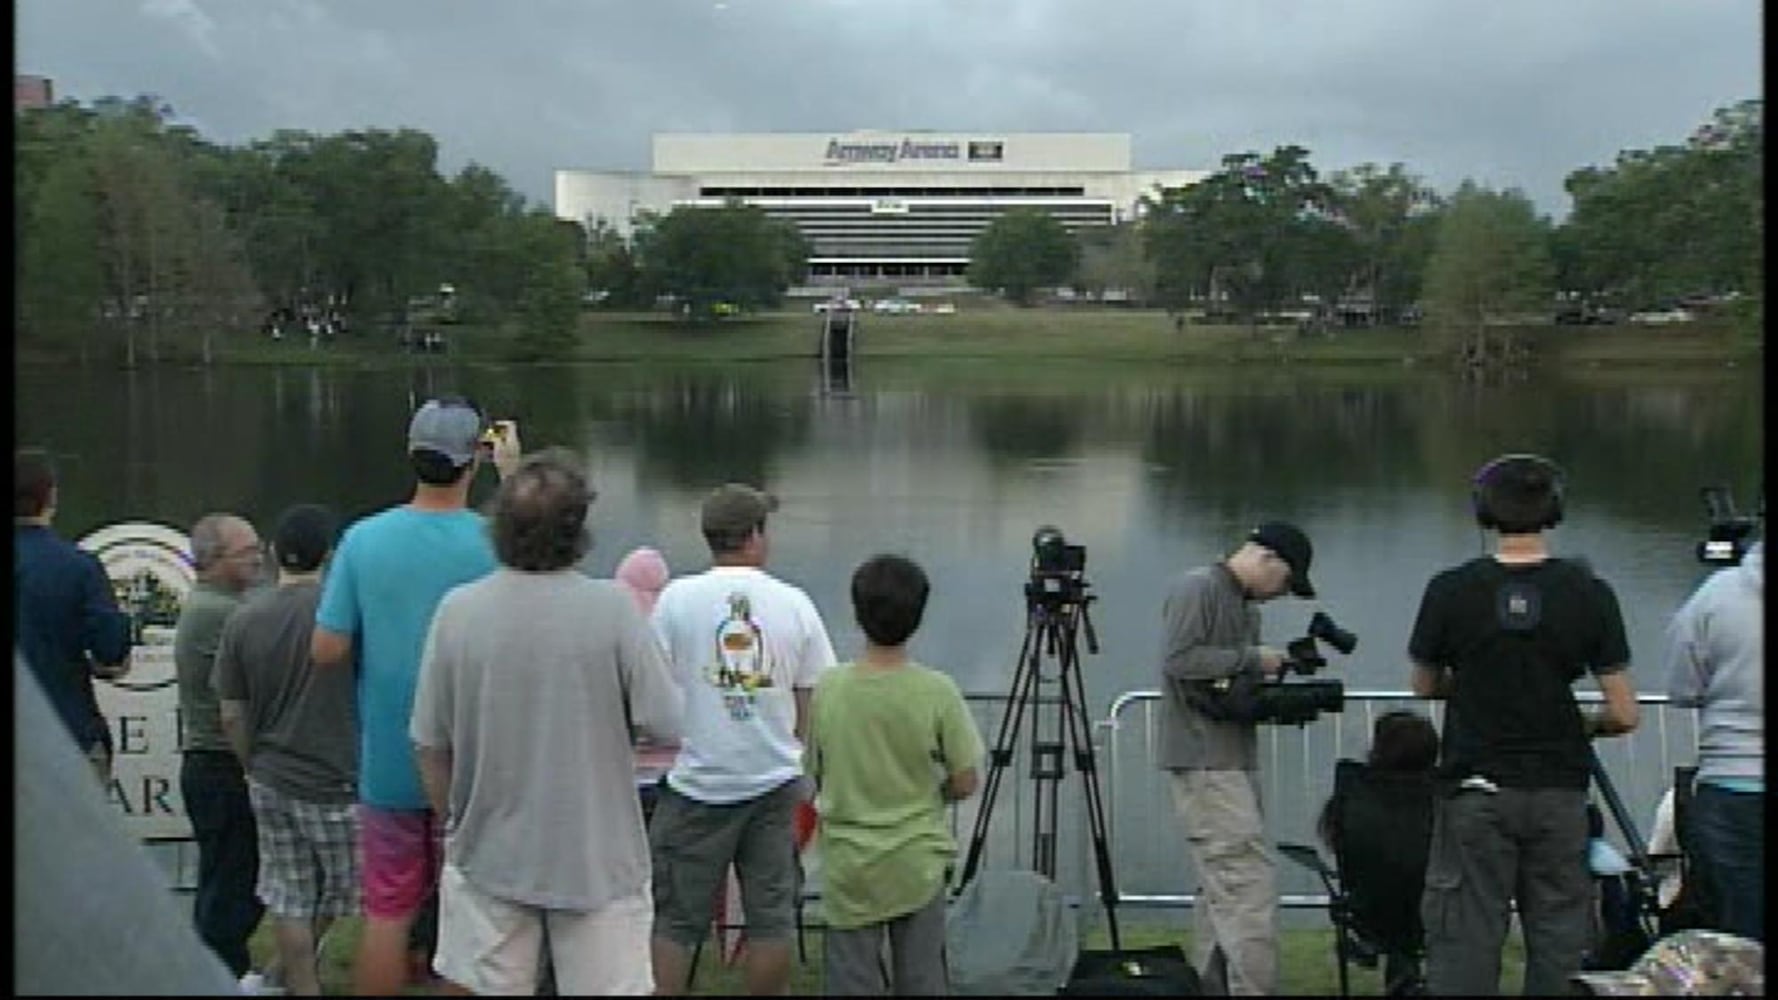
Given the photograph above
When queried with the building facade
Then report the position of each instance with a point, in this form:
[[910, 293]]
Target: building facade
[[31, 92], [902, 205]]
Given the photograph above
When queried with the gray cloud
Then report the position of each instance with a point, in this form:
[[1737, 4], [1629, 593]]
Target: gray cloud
[[1512, 93]]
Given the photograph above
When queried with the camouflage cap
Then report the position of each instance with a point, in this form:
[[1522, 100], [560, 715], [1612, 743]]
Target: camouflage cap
[[1687, 964]]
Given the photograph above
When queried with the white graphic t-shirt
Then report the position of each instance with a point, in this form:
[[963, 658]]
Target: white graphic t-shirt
[[739, 641]]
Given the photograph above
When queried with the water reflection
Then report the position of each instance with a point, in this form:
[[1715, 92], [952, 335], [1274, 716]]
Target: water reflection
[[1153, 470]]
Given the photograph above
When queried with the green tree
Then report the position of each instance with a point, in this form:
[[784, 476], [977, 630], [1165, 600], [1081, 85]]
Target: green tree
[[1490, 268], [548, 306], [1675, 221], [1387, 210], [735, 254], [61, 279], [611, 267], [1023, 250], [1113, 259], [1248, 235]]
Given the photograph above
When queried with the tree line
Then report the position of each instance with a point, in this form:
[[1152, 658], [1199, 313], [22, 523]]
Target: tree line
[[1266, 234], [141, 241]]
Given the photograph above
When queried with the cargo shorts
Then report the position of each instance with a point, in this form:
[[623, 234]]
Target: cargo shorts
[[693, 843]]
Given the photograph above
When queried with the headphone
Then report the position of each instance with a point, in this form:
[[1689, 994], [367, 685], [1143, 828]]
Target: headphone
[[1483, 487]]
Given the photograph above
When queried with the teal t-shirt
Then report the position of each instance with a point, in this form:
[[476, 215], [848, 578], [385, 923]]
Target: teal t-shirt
[[881, 742], [382, 586]]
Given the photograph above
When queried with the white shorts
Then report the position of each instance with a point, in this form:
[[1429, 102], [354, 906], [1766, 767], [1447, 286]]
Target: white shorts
[[492, 946]]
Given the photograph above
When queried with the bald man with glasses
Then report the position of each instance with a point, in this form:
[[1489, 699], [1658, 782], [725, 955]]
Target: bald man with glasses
[[229, 558]]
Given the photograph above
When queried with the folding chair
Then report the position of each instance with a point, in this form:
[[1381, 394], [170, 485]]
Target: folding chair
[[1374, 886]]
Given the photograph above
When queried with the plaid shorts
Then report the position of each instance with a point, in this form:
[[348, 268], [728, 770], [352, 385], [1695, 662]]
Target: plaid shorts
[[308, 854]]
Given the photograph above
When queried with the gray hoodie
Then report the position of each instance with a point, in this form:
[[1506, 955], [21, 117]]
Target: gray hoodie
[[1716, 661]]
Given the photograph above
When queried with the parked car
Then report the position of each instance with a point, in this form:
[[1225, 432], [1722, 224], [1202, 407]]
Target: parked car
[[895, 306], [1662, 316], [842, 305], [945, 309]]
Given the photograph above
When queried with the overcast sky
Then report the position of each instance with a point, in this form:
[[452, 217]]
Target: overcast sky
[[1509, 92]]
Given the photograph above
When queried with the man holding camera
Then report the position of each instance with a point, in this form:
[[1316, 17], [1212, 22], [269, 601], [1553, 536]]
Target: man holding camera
[[1501, 639], [383, 585], [1212, 635], [1716, 662]]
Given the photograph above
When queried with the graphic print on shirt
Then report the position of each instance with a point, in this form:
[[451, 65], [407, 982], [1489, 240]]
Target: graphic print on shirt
[[740, 668]]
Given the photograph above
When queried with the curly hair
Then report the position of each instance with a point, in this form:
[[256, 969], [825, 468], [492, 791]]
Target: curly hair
[[539, 514]]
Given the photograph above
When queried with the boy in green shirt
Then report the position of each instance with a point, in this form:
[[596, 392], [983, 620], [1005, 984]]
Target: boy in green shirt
[[890, 743]]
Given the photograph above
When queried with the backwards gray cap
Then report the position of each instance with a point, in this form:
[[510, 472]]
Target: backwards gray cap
[[451, 427]]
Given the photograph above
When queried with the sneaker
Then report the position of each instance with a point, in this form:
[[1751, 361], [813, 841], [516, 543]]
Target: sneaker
[[254, 984]]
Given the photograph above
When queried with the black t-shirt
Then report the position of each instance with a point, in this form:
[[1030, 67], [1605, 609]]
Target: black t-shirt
[[1516, 639]]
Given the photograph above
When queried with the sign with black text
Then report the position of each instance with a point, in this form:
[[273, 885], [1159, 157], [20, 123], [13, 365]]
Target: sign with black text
[[151, 572]]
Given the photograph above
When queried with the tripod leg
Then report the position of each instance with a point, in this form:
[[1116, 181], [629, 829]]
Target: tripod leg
[[1086, 761], [1644, 885], [1005, 738]]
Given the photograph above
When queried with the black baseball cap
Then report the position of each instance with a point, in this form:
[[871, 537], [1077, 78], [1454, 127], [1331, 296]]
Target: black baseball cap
[[1291, 545], [303, 538]]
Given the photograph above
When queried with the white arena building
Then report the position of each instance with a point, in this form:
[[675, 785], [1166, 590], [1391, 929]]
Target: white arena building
[[902, 205]]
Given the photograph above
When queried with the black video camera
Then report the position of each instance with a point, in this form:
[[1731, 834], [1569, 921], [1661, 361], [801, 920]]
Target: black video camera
[[1303, 657], [1730, 531], [1058, 570], [1251, 698]]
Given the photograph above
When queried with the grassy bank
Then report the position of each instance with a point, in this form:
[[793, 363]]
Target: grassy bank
[[997, 333]]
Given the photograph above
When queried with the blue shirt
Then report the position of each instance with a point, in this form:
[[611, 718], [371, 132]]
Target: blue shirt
[[65, 617], [382, 588]]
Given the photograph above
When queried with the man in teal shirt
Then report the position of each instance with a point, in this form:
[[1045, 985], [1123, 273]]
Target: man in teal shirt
[[890, 743], [387, 576]]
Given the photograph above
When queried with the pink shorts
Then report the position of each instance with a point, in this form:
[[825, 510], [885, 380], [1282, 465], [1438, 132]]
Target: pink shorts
[[400, 854]]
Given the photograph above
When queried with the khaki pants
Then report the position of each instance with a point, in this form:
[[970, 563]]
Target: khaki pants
[[1235, 939]]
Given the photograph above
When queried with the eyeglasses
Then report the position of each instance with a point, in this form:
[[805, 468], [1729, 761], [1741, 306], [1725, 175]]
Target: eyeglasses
[[256, 550]]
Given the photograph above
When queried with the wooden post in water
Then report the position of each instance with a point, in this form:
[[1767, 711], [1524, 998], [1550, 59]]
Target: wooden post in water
[[838, 340]]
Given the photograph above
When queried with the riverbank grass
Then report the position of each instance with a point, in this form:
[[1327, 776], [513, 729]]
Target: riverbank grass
[[997, 333]]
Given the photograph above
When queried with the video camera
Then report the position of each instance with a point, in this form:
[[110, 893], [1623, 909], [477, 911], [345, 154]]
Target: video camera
[[1058, 570], [1303, 657], [1253, 699], [1730, 531]]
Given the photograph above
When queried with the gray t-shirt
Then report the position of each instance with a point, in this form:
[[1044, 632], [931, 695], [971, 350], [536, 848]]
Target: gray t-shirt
[[1210, 631], [527, 679], [302, 719], [206, 607]]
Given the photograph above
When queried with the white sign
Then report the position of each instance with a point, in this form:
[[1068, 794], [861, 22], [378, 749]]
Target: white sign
[[150, 570]]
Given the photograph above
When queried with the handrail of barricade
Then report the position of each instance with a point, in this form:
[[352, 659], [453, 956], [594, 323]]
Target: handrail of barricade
[[1620, 755]]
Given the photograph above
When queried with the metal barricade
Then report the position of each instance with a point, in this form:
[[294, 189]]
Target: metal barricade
[[1296, 777]]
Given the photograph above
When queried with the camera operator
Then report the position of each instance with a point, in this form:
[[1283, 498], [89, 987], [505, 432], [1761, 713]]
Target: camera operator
[[1211, 633], [1716, 661], [1502, 638]]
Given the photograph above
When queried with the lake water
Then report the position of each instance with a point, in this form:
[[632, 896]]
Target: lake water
[[1153, 469]]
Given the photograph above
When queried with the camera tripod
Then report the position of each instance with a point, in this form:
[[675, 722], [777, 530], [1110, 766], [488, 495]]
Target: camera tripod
[[1645, 886], [1053, 624]]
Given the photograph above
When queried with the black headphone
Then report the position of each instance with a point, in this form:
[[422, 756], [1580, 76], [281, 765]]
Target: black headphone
[[1482, 489]]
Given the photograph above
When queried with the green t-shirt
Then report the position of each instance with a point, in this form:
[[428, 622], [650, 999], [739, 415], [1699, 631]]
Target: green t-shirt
[[195, 637], [881, 742]]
